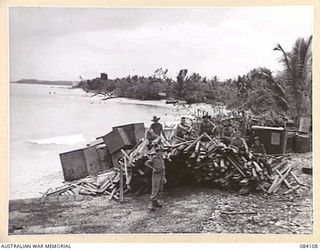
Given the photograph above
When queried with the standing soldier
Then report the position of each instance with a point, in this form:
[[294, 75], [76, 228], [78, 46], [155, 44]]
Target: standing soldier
[[259, 153], [156, 163]]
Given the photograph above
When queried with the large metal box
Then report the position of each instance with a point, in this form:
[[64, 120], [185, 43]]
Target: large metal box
[[273, 138], [135, 131], [80, 163], [73, 165], [92, 160], [104, 157], [116, 140], [302, 143], [124, 137]]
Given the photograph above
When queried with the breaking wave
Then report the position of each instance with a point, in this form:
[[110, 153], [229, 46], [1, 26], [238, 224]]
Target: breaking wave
[[60, 140]]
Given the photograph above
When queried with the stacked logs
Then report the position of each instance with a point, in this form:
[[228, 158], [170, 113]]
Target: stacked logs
[[201, 160], [212, 162], [205, 160]]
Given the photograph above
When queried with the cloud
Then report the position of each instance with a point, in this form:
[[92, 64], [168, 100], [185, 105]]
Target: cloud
[[212, 41]]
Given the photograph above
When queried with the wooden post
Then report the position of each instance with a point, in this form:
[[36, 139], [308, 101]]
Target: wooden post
[[285, 141], [121, 183]]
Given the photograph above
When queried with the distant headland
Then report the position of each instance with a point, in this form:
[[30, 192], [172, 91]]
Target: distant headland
[[35, 81]]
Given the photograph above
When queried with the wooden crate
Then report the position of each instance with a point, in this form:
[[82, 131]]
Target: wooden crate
[[273, 138], [134, 131], [104, 157], [124, 137], [73, 165], [302, 143], [116, 140], [92, 160], [80, 163]]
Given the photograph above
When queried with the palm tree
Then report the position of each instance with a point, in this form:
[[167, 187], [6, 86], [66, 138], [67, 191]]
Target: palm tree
[[266, 93], [298, 77]]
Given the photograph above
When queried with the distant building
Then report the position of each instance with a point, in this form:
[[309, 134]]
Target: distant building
[[162, 94], [104, 76]]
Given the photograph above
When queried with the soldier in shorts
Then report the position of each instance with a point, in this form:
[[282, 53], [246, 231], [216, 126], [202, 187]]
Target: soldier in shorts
[[157, 164]]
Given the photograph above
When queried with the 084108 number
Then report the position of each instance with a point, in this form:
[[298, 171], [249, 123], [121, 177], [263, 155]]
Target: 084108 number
[[305, 246]]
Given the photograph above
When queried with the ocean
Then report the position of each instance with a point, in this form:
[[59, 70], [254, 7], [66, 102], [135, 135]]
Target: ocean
[[48, 120]]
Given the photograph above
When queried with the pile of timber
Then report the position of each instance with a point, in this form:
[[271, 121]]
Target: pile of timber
[[203, 160], [102, 184], [208, 161], [282, 175]]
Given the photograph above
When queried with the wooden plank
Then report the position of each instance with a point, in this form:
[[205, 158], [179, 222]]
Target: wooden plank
[[234, 164], [193, 143], [105, 186], [281, 179], [292, 189], [112, 193], [282, 163], [126, 169], [244, 182], [206, 135], [285, 181], [254, 174], [121, 182], [181, 143], [297, 180], [273, 185], [178, 138], [240, 212], [89, 189], [197, 147], [256, 165]]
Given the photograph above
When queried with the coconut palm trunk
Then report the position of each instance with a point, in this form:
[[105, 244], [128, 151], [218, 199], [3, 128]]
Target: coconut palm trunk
[[298, 71]]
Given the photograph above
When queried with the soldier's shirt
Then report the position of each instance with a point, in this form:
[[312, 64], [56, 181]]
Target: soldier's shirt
[[228, 131], [157, 128], [238, 142], [158, 163], [180, 132], [206, 127]]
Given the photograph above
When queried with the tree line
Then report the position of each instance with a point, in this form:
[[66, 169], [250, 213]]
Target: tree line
[[288, 91]]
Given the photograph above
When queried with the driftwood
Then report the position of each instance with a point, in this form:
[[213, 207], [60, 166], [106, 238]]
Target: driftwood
[[238, 212]]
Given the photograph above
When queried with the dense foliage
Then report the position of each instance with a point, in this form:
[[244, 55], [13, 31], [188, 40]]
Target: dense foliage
[[289, 92]]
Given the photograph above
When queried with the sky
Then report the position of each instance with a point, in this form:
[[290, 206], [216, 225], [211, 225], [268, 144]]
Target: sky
[[65, 43]]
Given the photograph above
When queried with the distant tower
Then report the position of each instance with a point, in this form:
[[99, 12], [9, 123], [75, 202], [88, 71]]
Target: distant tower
[[104, 76]]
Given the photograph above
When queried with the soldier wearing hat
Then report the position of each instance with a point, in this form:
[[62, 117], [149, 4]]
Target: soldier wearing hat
[[157, 164], [155, 130], [207, 126], [257, 147], [227, 132], [238, 142], [259, 153]]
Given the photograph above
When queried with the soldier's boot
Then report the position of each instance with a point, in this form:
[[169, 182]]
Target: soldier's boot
[[152, 206], [157, 204]]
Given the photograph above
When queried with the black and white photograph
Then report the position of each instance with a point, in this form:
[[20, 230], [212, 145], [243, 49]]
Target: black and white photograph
[[160, 120]]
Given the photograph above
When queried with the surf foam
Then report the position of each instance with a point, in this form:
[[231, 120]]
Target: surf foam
[[60, 140]]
